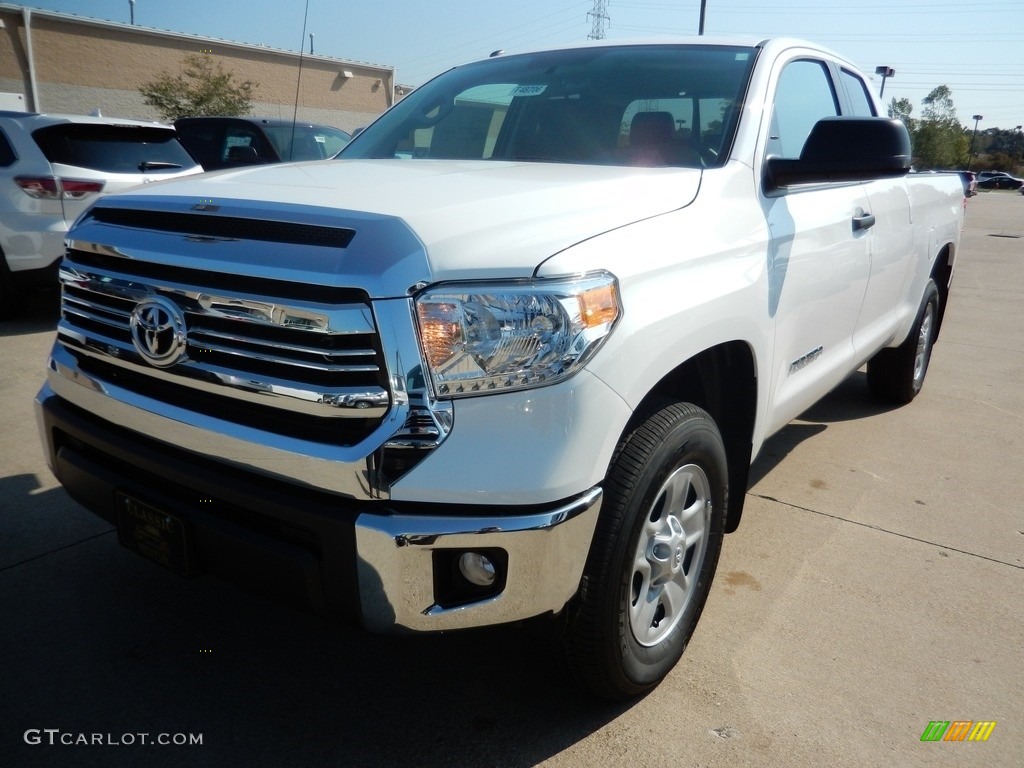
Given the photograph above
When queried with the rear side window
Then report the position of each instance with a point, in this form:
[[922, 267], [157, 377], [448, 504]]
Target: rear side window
[[7, 156], [243, 144], [202, 140], [113, 148], [856, 90]]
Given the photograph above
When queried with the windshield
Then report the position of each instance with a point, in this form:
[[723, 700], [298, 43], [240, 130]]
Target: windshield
[[652, 105]]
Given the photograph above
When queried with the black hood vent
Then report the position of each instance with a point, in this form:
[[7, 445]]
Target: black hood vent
[[204, 225]]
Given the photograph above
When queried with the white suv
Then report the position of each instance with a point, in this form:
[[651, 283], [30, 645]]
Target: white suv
[[52, 167]]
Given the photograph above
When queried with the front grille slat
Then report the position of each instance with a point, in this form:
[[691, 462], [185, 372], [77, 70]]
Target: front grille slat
[[113, 319], [244, 348], [228, 341], [154, 273]]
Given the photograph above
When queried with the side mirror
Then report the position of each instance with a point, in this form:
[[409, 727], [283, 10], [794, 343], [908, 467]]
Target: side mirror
[[845, 149]]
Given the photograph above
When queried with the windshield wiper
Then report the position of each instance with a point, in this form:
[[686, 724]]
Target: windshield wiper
[[157, 165]]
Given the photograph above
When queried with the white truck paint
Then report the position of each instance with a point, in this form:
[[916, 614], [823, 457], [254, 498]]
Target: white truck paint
[[513, 352]]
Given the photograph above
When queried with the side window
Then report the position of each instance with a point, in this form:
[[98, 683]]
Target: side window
[[7, 156], [804, 96], [857, 91], [241, 145]]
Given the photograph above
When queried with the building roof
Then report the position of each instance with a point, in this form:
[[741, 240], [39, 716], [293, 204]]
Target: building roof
[[74, 18]]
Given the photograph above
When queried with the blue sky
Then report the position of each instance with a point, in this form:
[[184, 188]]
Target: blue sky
[[976, 47]]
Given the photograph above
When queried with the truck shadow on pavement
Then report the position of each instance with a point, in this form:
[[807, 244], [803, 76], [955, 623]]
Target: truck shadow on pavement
[[41, 313], [99, 641], [850, 400]]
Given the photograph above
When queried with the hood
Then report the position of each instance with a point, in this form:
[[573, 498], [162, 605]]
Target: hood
[[471, 219]]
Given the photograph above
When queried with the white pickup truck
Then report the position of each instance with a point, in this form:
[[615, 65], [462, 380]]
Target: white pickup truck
[[512, 354]]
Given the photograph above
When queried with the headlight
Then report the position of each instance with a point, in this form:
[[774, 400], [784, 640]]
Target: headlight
[[492, 337]]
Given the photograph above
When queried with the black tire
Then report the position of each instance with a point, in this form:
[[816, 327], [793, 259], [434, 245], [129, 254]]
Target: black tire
[[897, 374], [647, 577]]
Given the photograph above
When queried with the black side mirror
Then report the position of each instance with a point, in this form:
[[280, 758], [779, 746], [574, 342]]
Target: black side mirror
[[845, 149]]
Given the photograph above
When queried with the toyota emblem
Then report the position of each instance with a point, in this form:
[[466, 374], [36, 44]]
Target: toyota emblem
[[158, 331]]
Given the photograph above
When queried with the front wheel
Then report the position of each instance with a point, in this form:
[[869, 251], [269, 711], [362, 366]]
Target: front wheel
[[653, 556], [897, 374]]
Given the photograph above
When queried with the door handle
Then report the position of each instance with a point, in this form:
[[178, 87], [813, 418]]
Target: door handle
[[863, 221]]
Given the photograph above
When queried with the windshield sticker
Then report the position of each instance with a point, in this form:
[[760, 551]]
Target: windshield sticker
[[528, 90]]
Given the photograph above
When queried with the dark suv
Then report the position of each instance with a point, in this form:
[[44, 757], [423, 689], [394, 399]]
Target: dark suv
[[231, 142]]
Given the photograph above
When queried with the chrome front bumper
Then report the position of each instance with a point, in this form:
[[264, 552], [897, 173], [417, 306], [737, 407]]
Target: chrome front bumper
[[376, 562], [396, 565]]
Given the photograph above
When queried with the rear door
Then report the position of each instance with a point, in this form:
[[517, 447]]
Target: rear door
[[890, 241]]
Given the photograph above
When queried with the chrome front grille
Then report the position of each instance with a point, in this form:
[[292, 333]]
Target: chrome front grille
[[245, 335], [314, 362]]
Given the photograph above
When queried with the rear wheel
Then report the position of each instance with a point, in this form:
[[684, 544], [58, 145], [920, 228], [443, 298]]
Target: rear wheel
[[653, 556], [897, 374]]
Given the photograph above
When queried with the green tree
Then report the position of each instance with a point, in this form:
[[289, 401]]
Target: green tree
[[900, 109], [202, 88], [939, 140], [996, 149], [995, 161]]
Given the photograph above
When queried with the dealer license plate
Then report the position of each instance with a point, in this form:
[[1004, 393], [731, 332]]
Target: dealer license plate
[[153, 533]]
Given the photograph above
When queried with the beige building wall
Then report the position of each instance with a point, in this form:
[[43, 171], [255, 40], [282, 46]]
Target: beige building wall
[[68, 64]]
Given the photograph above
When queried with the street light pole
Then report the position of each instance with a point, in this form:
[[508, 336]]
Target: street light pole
[[885, 72], [703, 8], [1013, 151], [970, 157], [131, 10]]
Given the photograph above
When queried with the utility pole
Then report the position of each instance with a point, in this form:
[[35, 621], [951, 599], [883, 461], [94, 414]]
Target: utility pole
[[970, 155], [886, 73], [600, 14], [1013, 152], [703, 8]]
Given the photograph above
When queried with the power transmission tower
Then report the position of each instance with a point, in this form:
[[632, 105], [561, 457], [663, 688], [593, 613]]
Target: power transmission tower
[[600, 14]]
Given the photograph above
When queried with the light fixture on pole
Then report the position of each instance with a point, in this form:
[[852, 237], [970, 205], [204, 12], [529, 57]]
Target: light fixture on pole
[[885, 72], [970, 157]]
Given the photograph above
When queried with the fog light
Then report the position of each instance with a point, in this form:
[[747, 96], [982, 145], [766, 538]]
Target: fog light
[[477, 569]]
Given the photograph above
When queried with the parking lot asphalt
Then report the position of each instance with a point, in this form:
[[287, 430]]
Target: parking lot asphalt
[[875, 585]]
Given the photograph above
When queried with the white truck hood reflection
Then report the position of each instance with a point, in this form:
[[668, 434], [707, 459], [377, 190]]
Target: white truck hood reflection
[[475, 219]]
